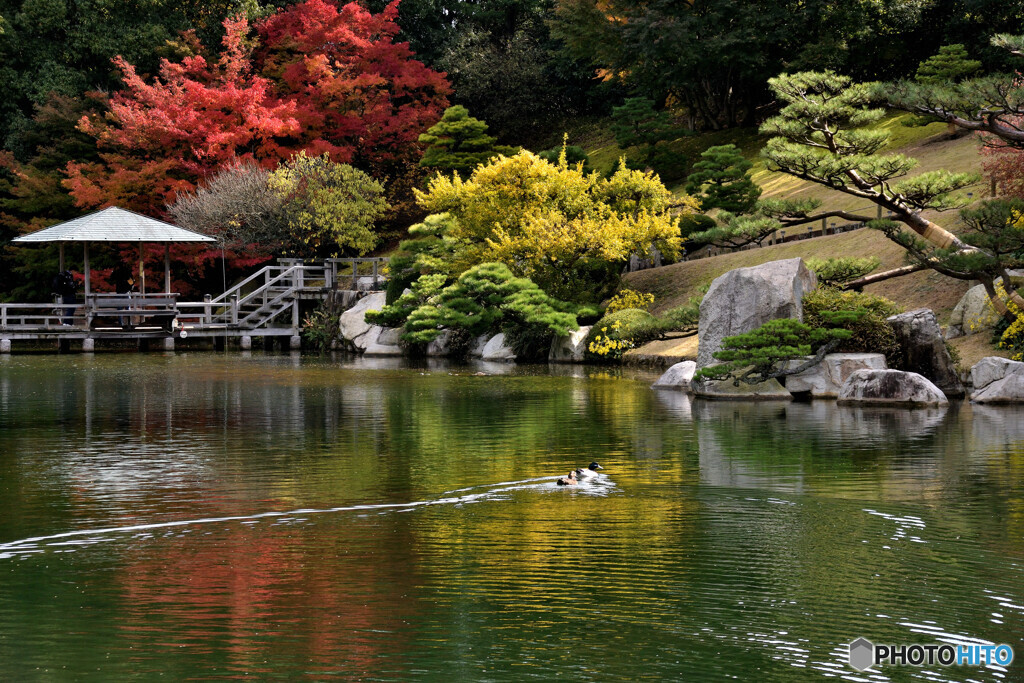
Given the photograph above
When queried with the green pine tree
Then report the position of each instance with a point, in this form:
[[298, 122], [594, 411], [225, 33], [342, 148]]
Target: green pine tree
[[459, 143], [721, 180], [950, 65], [638, 124]]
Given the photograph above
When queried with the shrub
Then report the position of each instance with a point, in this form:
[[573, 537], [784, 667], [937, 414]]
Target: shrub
[[629, 298], [484, 298], [618, 332], [765, 353], [871, 332]]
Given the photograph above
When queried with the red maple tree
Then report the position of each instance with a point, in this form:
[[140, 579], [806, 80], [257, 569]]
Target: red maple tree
[[321, 79], [358, 94], [324, 79]]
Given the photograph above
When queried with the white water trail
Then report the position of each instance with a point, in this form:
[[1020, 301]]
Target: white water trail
[[38, 544]]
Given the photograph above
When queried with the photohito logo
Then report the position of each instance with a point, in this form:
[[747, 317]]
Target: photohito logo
[[864, 654]]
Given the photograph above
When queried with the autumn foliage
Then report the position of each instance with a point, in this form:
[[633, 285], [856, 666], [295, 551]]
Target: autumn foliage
[[322, 79]]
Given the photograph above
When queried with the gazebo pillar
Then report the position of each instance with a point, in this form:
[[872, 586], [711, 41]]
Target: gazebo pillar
[[85, 252], [60, 254], [167, 267], [142, 272]]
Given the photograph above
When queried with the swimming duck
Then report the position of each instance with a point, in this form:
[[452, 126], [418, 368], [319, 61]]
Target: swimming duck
[[590, 471], [569, 480]]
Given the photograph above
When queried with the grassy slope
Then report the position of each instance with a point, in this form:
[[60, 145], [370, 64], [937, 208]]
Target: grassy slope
[[675, 284]]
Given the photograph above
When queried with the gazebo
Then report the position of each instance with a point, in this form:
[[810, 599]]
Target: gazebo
[[119, 226]]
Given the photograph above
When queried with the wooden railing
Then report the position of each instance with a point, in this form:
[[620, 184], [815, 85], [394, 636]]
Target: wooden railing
[[23, 317], [254, 302]]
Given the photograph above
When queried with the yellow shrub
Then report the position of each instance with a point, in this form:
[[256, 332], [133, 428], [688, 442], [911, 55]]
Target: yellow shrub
[[629, 298]]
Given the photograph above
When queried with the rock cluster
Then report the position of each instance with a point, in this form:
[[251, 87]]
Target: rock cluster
[[997, 380], [923, 350], [826, 379], [890, 387]]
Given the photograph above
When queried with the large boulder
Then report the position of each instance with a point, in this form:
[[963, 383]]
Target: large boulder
[[892, 387], [997, 380], [679, 376], [497, 350], [381, 341], [476, 349], [972, 314], [725, 390], [923, 350], [353, 323], [825, 379], [746, 298], [441, 346], [569, 349]]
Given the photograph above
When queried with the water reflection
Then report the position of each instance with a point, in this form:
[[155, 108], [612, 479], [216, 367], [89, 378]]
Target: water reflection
[[289, 517]]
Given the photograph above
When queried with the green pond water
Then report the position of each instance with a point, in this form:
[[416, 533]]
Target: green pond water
[[285, 517]]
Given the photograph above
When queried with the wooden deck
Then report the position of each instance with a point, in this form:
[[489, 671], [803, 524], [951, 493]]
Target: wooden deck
[[266, 304]]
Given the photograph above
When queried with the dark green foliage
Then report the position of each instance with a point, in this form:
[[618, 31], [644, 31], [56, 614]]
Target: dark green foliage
[[459, 142], [56, 46], [322, 328], [682, 318], [721, 180], [870, 332], [765, 353], [736, 231], [485, 298], [428, 250], [949, 65], [638, 124], [835, 272], [574, 155], [693, 223]]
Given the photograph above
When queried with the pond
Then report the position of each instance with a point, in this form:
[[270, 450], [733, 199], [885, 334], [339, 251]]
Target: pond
[[284, 516]]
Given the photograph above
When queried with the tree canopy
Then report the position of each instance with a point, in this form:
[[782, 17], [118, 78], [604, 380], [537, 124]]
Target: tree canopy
[[567, 231]]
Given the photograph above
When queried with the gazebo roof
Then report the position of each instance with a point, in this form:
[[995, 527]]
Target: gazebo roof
[[114, 225]]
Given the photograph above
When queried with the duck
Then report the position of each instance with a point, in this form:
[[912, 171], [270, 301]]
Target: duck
[[590, 471], [569, 480]]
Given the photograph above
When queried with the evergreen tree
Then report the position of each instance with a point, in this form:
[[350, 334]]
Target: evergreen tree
[[636, 123], [721, 180], [765, 353], [459, 142], [988, 104], [822, 135], [949, 65]]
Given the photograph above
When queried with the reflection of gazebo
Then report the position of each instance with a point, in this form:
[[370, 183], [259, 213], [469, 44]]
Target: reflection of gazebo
[[117, 226]]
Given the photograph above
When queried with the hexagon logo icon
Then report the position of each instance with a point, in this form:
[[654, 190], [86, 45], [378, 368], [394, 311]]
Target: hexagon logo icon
[[862, 654]]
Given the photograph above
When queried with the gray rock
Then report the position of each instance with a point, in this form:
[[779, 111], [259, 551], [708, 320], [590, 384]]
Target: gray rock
[[972, 314], [746, 298], [366, 339], [390, 336], [380, 341], [997, 380], [678, 376], [496, 349], [477, 348], [890, 387], [725, 390], [922, 350], [826, 378], [440, 346], [353, 322], [569, 349]]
